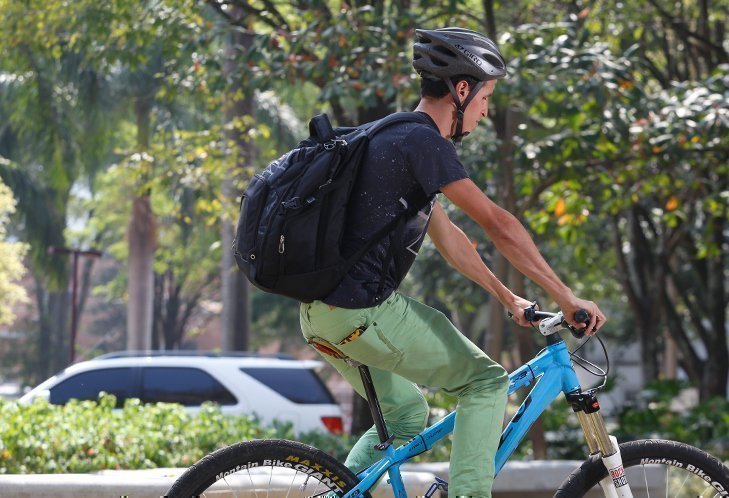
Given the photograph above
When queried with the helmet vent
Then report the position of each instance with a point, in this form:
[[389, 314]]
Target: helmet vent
[[494, 61], [443, 50]]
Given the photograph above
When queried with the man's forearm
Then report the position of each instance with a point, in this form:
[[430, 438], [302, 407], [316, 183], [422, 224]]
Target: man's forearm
[[514, 242], [464, 258], [459, 252], [508, 235]]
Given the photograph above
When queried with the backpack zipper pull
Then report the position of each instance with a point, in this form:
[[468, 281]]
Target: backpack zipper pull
[[281, 247]]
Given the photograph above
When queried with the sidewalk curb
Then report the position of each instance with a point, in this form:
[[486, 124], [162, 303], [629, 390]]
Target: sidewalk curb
[[535, 479]]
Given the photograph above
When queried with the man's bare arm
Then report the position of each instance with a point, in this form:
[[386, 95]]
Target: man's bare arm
[[459, 252], [514, 242]]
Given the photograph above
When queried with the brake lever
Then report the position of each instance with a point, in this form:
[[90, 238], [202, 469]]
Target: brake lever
[[528, 312], [582, 317]]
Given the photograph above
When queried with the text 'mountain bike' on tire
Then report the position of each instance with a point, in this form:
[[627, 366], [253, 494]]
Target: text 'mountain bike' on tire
[[268, 468], [684, 471]]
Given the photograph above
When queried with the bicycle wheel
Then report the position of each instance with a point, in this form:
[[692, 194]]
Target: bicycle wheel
[[265, 468], [654, 467]]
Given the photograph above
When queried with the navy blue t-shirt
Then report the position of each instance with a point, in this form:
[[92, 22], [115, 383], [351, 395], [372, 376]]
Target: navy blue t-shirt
[[402, 160]]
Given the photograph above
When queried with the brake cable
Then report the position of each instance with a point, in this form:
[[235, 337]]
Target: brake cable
[[584, 364], [587, 365]]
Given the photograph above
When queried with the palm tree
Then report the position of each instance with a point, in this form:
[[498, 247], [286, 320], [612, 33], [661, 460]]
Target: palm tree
[[50, 134]]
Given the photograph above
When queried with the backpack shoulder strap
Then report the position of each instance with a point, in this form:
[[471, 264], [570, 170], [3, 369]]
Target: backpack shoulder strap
[[397, 117], [414, 203]]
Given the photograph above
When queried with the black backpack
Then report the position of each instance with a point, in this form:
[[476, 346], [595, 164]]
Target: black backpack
[[293, 214]]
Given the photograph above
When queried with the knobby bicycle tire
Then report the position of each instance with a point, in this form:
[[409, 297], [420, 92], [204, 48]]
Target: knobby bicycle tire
[[689, 472], [285, 468]]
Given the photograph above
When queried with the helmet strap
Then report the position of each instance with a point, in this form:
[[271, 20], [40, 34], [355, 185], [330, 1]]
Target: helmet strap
[[461, 107]]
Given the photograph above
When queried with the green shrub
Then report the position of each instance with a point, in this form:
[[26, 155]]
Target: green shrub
[[87, 436], [705, 425]]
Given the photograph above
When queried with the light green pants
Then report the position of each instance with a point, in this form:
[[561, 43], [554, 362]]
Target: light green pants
[[406, 343]]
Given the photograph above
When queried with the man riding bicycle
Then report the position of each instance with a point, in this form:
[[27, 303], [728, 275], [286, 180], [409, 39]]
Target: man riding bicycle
[[404, 342]]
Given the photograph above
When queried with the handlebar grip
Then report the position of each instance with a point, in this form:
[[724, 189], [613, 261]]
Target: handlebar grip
[[581, 316], [530, 314]]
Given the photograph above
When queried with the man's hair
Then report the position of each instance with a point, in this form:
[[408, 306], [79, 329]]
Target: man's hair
[[439, 88]]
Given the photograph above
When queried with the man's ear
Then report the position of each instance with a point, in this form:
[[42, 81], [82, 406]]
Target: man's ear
[[462, 88]]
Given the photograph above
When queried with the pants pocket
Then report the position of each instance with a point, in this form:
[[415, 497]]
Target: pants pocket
[[373, 348], [330, 324]]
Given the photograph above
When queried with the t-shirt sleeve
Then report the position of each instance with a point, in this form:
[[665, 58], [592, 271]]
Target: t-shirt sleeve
[[432, 159]]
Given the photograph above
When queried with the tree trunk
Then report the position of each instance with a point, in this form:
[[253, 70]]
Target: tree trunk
[[649, 280], [669, 367], [85, 284], [53, 330], [716, 367], [44, 334], [171, 325], [670, 357], [157, 313], [142, 237], [489, 18], [494, 340], [235, 318], [714, 382], [506, 121], [525, 338]]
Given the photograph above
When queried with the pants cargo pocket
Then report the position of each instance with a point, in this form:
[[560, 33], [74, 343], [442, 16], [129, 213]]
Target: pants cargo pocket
[[372, 348]]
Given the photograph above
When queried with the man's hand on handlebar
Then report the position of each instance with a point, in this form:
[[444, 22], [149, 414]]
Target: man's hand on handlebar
[[570, 305], [516, 311]]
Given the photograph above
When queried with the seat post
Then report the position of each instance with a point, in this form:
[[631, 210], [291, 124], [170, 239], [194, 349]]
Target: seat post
[[375, 409]]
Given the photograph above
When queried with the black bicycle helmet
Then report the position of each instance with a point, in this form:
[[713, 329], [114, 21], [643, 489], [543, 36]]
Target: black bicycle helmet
[[442, 54]]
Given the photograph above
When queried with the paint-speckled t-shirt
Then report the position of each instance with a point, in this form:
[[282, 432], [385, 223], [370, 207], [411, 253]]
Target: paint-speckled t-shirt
[[401, 160]]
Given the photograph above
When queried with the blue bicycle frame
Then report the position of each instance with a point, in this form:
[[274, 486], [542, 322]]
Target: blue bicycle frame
[[555, 374]]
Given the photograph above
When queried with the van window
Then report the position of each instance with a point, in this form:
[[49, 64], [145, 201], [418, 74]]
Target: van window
[[296, 384], [184, 385], [88, 385]]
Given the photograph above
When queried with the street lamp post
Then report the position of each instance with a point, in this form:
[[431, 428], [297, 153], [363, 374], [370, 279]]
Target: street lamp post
[[76, 253]]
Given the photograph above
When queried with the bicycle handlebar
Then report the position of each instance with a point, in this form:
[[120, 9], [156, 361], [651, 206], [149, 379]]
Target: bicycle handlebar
[[553, 322]]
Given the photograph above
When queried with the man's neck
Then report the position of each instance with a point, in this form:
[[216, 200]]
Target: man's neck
[[441, 111]]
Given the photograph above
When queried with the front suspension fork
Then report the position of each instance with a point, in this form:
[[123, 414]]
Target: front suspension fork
[[587, 409]]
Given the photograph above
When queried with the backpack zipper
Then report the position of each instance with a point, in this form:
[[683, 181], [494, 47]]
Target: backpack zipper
[[282, 238]]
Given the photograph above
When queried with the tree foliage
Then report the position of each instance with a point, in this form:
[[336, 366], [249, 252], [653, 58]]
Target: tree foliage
[[11, 261], [609, 139], [52, 136]]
